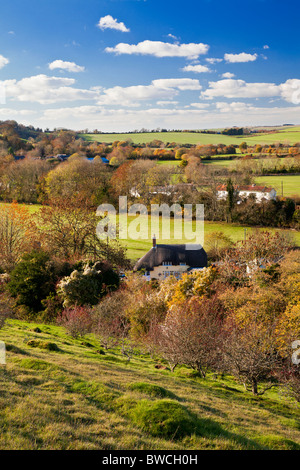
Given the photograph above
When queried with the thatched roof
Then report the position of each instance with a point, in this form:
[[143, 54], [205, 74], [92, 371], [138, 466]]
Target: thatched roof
[[175, 254]]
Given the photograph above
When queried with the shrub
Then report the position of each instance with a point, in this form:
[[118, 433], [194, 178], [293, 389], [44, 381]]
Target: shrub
[[87, 287], [76, 320], [32, 280], [43, 345], [53, 307]]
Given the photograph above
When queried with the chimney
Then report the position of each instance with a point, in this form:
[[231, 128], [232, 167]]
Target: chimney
[[154, 241]]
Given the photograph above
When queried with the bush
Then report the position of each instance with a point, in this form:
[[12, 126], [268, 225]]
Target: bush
[[87, 287], [32, 280], [43, 345], [76, 320]]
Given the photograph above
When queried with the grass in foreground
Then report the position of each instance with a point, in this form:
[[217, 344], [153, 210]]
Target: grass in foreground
[[77, 398]]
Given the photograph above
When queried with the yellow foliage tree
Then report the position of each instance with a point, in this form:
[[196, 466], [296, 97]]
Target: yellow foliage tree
[[196, 283]]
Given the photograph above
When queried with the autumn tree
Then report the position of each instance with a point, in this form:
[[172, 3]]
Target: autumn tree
[[191, 334], [137, 179], [79, 178], [260, 249], [250, 354], [195, 171], [20, 180], [76, 320], [17, 234], [196, 283], [68, 230], [243, 146], [110, 323], [216, 243]]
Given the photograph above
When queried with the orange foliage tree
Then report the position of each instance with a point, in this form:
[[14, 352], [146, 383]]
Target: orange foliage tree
[[17, 234]]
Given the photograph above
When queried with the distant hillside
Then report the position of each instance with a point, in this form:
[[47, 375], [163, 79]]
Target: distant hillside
[[24, 132], [289, 134]]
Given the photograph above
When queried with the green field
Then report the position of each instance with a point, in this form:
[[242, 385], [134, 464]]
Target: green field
[[81, 397], [169, 162], [285, 135], [177, 137], [290, 183], [137, 248], [223, 162], [290, 135]]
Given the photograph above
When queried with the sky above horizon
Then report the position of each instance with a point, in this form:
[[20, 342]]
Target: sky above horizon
[[124, 65]]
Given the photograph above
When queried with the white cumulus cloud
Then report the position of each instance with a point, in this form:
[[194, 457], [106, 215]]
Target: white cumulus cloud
[[45, 90], [64, 65], [230, 88], [161, 89], [238, 58], [196, 68], [3, 61], [228, 75], [290, 91], [234, 107], [161, 49], [212, 60], [108, 22]]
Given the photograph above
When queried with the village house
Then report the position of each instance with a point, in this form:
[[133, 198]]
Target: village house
[[163, 261], [167, 190], [242, 192]]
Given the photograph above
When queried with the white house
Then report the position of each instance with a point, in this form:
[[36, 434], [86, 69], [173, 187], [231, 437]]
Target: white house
[[260, 192]]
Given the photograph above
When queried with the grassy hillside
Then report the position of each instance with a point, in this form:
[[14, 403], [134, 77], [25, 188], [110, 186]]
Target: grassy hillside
[[288, 134], [81, 397]]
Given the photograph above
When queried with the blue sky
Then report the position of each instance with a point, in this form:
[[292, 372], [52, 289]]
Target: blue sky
[[121, 65]]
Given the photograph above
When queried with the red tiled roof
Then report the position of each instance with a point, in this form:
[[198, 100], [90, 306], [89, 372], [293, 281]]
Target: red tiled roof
[[253, 187]]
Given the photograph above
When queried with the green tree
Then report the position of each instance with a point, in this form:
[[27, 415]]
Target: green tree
[[230, 198], [243, 146], [32, 280]]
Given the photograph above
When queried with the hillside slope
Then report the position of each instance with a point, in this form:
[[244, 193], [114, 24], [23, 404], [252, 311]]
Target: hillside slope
[[289, 135], [74, 395]]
